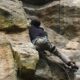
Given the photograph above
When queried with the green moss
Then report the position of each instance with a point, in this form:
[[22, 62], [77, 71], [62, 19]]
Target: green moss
[[4, 22]]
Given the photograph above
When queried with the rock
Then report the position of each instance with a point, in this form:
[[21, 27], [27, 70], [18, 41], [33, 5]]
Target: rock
[[78, 72], [48, 69], [61, 16], [70, 53], [73, 3], [12, 15], [43, 70], [78, 77], [56, 39], [25, 55], [75, 56], [7, 65], [26, 58], [72, 45]]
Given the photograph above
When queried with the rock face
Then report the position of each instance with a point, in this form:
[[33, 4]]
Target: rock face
[[12, 15], [26, 59], [46, 71], [13, 18], [7, 65], [25, 55], [56, 39], [62, 20], [72, 45], [62, 16]]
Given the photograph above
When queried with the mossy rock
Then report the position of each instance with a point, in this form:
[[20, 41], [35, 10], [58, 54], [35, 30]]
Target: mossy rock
[[5, 23], [12, 14]]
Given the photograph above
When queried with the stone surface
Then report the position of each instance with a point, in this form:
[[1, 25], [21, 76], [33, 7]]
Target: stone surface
[[62, 16], [12, 15], [7, 65], [56, 39], [75, 56], [72, 45], [25, 55], [43, 70]]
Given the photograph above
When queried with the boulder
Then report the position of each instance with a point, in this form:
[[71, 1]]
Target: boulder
[[7, 65], [43, 71], [26, 59], [56, 39], [12, 15], [62, 16], [75, 56], [51, 68], [72, 45], [25, 56]]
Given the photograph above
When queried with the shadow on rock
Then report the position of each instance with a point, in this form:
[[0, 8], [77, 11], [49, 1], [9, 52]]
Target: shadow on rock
[[51, 70], [23, 75]]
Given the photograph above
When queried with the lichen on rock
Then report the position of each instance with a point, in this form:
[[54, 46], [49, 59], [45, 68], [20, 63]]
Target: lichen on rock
[[12, 13], [25, 56], [26, 59]]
